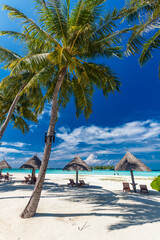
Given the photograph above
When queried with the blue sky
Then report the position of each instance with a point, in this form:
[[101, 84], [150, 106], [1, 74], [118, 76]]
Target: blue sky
[[127, 120]]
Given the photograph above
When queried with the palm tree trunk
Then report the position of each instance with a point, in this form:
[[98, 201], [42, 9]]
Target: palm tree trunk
[[11, 109], [32, 205]]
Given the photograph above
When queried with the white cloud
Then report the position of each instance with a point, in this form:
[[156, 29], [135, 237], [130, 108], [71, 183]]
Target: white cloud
[[147, 149], [14, 144], [98, 145], [138, 137], [130, 132], [102, 152], [92, 160], [9, 150]]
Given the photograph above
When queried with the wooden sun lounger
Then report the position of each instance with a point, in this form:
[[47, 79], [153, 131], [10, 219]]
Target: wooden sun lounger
[[33, 181], [143, 189], [126, 187], [82, 183], [6, 178], [71, 183], [1, 177], [27, 180]]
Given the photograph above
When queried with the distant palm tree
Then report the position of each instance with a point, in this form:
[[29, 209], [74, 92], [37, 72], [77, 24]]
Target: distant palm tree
[[146, 36], [63, 48]]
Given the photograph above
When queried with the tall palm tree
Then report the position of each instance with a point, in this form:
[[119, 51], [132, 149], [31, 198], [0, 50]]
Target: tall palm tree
[[66, 44], [146, 35]]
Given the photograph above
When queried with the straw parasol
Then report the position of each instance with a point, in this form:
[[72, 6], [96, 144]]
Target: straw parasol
[[131, 163], [77, 164], [33, 163], [4, 165]]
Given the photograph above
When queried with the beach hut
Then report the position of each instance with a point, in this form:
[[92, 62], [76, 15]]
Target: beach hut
[[131, 163], [33, 163], [4, 165], [77, 164]]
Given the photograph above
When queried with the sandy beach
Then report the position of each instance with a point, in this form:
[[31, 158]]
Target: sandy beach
[[100, 211]]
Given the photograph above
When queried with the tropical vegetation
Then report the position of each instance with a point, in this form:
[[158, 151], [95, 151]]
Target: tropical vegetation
[[15, 106], [155, 184], [103, 167], [145, 17]]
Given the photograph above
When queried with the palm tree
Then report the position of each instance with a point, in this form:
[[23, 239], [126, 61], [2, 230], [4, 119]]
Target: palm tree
[[22, 111], [17, 88], [146, 35], [63, 47]]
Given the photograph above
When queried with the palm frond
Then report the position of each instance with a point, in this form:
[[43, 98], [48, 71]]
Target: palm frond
[[83, 97], [52, 17], [65, 92], [106, 25], [7, 56], [103, 77], [152, 43], [42, 77], [136, 10], [86, 11], [30, 25], [30, 63], [19, 123]]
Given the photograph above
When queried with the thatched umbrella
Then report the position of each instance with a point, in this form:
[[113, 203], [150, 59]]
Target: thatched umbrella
[[4, 165], [77, 164], [131, 163], [33, 163]]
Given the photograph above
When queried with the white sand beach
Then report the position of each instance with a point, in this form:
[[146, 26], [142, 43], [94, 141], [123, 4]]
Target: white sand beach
[[100, 211]]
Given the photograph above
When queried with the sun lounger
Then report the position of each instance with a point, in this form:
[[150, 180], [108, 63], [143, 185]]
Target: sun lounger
[[33, 180], [126, 187], [27, 180], [82, 183], [1, 177], [143, 189], [71, 183], [6, 178], [9, 176]]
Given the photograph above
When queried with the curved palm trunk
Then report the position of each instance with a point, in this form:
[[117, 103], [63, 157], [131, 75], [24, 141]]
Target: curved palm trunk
[[11, 109], [32, 205]]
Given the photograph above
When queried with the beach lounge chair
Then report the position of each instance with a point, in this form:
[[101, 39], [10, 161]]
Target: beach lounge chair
[[71, 183], [9, 176], [6, 178], [143, 189], [33, 180], [126, 187], [27, 180], [82, 183], [1, 176]]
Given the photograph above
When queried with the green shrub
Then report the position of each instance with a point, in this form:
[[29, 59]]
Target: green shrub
[[155, 184]]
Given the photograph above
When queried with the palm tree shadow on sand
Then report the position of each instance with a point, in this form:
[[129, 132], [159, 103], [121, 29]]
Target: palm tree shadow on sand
[[131, 209]]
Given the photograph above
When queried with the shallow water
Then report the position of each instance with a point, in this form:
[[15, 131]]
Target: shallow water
[[93, 172]]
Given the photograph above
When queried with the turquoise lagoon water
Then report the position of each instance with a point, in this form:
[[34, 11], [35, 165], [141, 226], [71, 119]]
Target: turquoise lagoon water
[[93, 172]]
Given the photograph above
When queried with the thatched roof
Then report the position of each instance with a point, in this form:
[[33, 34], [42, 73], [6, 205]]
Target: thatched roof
[[130, 162], [77, 164], [4, 164], [33, 162]]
